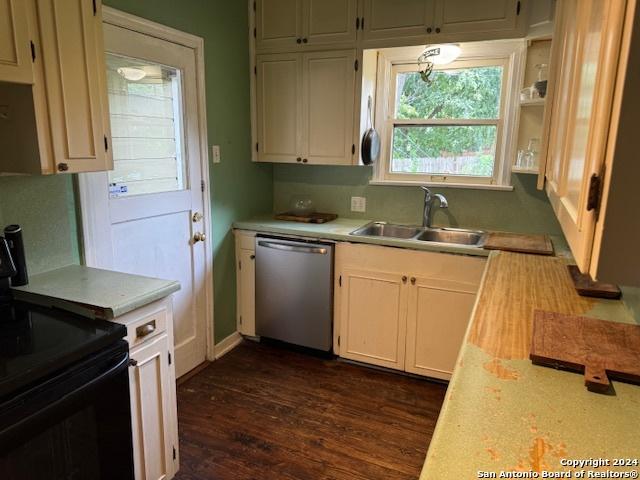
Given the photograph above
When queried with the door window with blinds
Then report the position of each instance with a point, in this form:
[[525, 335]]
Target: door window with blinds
[[145, 103]]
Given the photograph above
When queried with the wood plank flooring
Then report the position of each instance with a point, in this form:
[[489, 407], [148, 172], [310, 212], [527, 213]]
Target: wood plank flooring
[[264, 412]]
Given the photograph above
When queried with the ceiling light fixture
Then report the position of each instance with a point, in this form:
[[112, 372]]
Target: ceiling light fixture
[[131, 73], [436, 55]]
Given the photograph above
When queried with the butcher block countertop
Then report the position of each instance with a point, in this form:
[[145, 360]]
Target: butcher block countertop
[[501, 412]]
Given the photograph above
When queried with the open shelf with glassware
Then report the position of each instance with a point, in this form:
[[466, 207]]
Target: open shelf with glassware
[[532, 106]]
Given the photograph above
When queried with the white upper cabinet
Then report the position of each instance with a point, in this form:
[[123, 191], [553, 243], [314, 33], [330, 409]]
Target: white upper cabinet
[[384, 19], [485, 16], [305, 107], [15, 43], [328, 95], [75, 81], [279, 109], [290, 25], [278, 23]]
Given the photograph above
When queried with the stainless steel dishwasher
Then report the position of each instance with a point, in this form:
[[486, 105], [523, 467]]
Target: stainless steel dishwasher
[[294, 291]]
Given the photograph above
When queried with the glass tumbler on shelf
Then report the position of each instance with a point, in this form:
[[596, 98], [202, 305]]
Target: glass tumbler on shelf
[[541, 81]]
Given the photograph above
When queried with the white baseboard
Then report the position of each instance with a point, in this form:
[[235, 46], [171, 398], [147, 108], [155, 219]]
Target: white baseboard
[[228, 344]]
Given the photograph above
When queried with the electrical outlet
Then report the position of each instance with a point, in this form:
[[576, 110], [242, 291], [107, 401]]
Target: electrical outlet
[[359, 204], [215, 151]]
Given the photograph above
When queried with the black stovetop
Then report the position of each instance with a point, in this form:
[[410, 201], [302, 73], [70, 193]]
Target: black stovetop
[[37, 341]]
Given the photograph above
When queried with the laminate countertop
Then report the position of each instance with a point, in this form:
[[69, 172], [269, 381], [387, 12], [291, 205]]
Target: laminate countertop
[[501, 412], [92, 291]]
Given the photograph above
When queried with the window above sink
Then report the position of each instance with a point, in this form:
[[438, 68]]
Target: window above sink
[[458, 129]]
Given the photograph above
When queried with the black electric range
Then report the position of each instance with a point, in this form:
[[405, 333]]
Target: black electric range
[[36, 341]]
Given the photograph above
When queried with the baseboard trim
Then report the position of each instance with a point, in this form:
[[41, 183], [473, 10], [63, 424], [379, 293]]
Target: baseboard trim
[[227, 344]]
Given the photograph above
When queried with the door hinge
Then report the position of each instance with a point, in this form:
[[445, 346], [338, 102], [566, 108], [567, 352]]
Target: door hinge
[[518, 7], [340, 280], [106, 144], [239, 264], [255, 33], [362, 23], [169, 357], [240, 319], [257, 145], [353, 149], [255, 70], [338, 340], [254, 6], [355, 65], [594, 197], [174, 453], [95, 8], [357, 23], [202, 185], [33, 51]]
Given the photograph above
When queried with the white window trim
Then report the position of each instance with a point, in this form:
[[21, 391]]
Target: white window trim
[[511, 55]]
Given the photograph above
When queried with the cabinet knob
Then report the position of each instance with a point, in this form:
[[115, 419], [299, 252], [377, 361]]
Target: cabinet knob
[[196, 217], [429, 29], [199, 237], [304, 40], [63, 167], [252, 257], [304, 160], [404, 279], [132, 362], [413, 280], [298, 40], [437, 29], [299, 159]]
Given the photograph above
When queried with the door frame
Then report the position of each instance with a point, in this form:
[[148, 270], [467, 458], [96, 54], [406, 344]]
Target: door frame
[[92, 228]]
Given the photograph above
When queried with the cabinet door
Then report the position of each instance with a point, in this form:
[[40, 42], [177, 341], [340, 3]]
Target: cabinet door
[[75, 83], [247, 291], [373, 318], [328, 109], [438, 315], [15, 48], [279, 111], [590, 31], [152, 410], [463, 16], [398, 18], [330, 21], [278, 23]]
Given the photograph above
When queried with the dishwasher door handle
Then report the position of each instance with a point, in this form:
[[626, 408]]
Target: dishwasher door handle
[[292, 248]]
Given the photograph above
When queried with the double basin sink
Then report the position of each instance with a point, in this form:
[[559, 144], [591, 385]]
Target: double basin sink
[[447, 236]]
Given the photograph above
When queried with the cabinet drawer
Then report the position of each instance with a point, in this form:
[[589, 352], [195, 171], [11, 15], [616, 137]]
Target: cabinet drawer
[[147, 327], [245, 241]]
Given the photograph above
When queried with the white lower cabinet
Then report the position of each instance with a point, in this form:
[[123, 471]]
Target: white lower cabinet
[[152, 386], [246, 282], [404, 309]]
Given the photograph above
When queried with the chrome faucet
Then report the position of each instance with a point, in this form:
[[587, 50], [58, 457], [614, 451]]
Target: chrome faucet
[[429, 200]]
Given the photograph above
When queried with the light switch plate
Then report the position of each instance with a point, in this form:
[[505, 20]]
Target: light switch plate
[[359, 204], [215, 153]]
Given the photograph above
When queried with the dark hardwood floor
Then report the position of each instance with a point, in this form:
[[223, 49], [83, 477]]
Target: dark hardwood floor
[[264, 412]]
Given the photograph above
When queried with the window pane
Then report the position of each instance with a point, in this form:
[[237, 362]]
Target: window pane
[[444, 150], [146, 126], [470, 93]]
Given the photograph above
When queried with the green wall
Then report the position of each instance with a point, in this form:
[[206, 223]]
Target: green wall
[[525, 209], [45, 208], [239, 187]]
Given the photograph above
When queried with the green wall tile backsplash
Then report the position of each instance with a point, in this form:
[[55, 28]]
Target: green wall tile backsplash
[[525, 209]]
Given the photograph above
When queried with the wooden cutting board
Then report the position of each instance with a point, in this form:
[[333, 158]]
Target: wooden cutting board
[[587, 287], [310, 218], [516, 242], [601, 350]]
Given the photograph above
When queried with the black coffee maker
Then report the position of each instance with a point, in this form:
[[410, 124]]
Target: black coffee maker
[[7, 270]]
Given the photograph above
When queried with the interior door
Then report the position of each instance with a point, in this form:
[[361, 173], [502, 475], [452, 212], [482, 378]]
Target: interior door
[[148, 210], [328, 93]]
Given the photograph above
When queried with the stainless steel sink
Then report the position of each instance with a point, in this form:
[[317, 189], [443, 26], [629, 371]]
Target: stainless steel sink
[[450, 236], [390, 230], [455, 236]]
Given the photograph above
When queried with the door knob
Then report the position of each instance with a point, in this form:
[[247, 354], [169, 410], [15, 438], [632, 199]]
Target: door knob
[[199, 237], [196, 217]]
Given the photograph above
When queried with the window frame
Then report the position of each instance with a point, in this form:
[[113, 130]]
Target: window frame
[[507, 54]]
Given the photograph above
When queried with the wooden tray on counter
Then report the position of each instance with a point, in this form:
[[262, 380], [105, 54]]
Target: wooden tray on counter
[[310, 218], [522, 243], [602, 350]]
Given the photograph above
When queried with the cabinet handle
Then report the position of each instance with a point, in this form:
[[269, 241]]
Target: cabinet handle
[[404, 279], [252, 257], [146, 329], [437, 29], [63, 167], [298, 40], [413, 280], [429, 29]]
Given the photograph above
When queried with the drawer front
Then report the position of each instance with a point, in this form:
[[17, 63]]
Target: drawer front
[[147, 327], [245, 240]]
